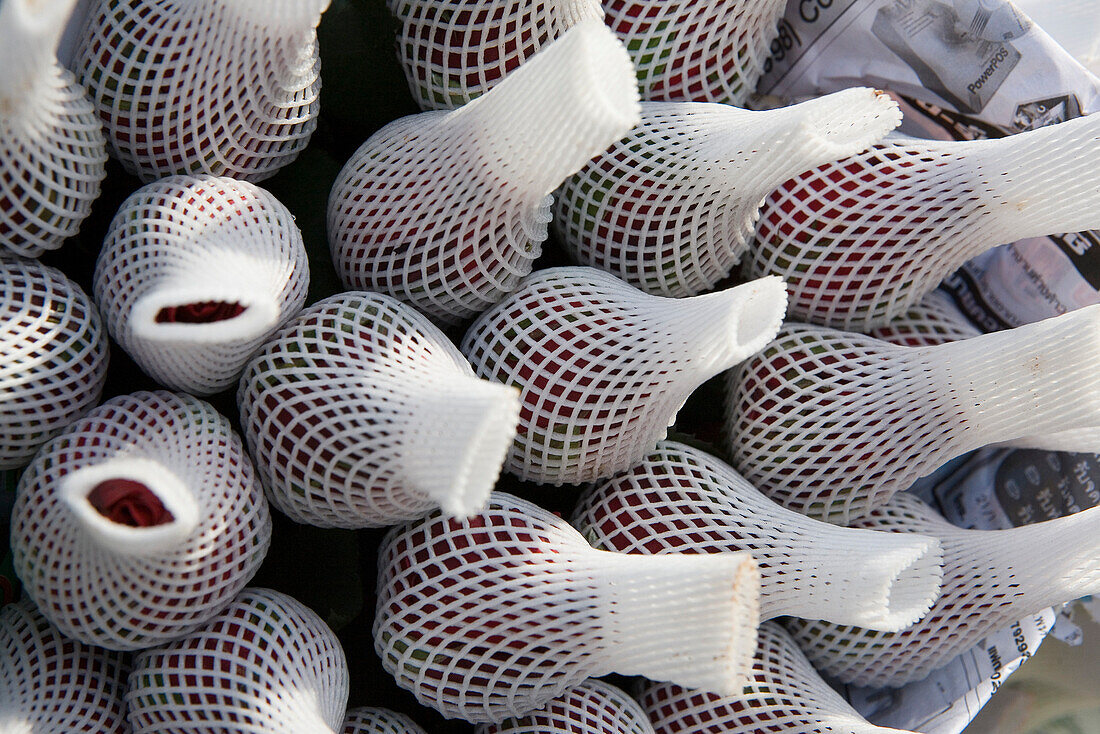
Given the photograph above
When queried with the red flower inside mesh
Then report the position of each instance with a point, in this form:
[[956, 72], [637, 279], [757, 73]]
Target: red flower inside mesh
[[129, 502]]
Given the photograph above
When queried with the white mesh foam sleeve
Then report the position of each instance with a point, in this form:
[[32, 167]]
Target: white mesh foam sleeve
[[593, 707], [52, 151], [266, 664], [371, 720], [124, 587], [447, 211], [195, 273], [496, 615], [454, 51], [223, 87], [785, 694], [603, 367], [670, 208], [696, 50], [50, 684], [53, 356], [859, 241], [681, 500], [361, 413], [991, 578], [833, 423]]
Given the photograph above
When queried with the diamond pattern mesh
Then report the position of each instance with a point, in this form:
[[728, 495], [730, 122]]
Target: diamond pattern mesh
[[370, 720], [593, 707]]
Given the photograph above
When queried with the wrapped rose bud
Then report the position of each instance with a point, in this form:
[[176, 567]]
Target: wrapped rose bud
[[139, 522], [454, 51], [833, 423], [991, 578], [603, 368], [50, 684], [371, 720], [361, 413], [497, 615], [680, 500], [447, 211], [670, 208], [860, 240], [785, 694], [221, 87], [265, 664], [52, 151], [194, 275], [54, 359], [593, 707]]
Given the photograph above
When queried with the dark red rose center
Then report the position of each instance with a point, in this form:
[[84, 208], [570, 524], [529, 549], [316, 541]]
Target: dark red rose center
[[129, 502], [204, 312]]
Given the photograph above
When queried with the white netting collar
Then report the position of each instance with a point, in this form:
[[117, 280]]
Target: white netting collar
[[223, 87], [54, 685], [139, 521], [670, 208], [593, 707], [603, 367], [52, 151], [833, 423], [53, 356], [496, 615], [265, 664], [361, 413], [195, 273], [447, 211], [372, 720], [991, 578], [861, 240], [681, 500]]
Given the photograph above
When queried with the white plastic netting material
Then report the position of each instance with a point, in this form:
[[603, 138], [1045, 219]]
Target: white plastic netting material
[[991, 578], [139, 522], [670, 207], [372, 720], [681, 500], [266, 664], [222, 87], [859, 241], [496, 615], [593, 707], [934, 319], [833, 423], [52, 151], [454, 51], [361, 413], [53, 356], [195, 274], [696, 50], [447, 211], [53, 685], [603, 368], [785, 694]]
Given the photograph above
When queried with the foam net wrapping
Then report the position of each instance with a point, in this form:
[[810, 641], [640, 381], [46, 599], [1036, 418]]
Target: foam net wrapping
[[696, 50], [53, 356], [139, 522], [670, 207], [495, 616], [785, 694], [603, 368], [266, 664], [361, 413], [991, 579], [448, 210], [833, 423], [681, 500], [454, 51], [372, 720], [223, 87], [195, 274], [593, 707], [860, 240], [50, 684], [52, 151]]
